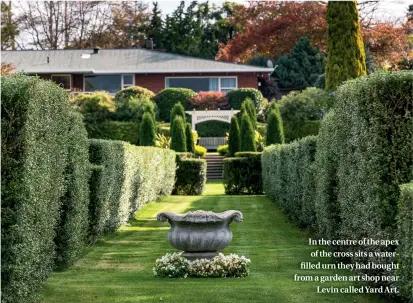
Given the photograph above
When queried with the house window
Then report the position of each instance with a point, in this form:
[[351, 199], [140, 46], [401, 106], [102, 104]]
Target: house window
[[197, 84], [64, 80], [109, 83]]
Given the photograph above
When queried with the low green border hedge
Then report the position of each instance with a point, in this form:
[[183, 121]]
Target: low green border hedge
[[190, 175]]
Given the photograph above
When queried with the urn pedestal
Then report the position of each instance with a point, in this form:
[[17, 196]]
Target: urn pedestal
[[200, 234]]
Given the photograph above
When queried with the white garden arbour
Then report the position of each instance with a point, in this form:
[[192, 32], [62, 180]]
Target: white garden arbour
[[199, 116]]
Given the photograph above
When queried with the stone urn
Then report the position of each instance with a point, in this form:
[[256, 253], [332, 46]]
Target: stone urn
[[200, 234]]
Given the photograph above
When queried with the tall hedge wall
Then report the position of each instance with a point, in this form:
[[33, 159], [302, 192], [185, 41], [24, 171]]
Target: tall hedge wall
[[404, 234], [71, 235], [373, 121], [126, 177], [288, 178], [34, 126]]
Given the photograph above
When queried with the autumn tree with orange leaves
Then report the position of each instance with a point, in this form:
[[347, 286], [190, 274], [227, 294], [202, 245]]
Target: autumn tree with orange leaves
[[271, 29]]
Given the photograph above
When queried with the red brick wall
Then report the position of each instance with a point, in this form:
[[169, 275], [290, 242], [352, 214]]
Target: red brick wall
[[156, 82]]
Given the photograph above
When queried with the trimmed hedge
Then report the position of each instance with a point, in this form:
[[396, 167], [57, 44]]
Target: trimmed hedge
[[178, 137], [190, 176], [247, 135], [212, 129], [131, 176], [242, 174], [147, 130], [374, 143], [71, 236], [404, 235], [222, 150], [168, 97], [237, 96], [288, 179], [117, 130], [35, 124]]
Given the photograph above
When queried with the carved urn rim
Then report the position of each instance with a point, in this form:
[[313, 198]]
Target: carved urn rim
[[201, 216]]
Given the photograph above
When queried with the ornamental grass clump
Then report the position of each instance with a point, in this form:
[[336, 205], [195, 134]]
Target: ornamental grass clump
[[175, 266]]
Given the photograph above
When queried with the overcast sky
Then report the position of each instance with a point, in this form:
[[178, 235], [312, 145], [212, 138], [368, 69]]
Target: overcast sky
[[388, 9]]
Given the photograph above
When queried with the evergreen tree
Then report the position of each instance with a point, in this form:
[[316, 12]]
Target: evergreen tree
[[155, 26], [346, 57], [275, 130], [178, 138], [9, 27], [300, 68], [234, 143], [247, 135], [248, 107], [147, 133], [189, 139], [177, 110]]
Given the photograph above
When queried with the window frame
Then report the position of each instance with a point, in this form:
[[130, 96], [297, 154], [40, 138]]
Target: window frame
[[207, 77], [65, 75], [121, 80]]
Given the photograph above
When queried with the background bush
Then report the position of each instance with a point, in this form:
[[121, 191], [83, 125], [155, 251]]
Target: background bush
[[209, 100], [190, 145], [247, 135], [190, 176], [288, 179], [404, 234], [132, 102], [117, 130], [302, 112], [212, 129], [35, 127], [222, 150], [168, 97], [234, 137], [71, 236], [275, 129], [237, 96], [130, 177], [242, 174]]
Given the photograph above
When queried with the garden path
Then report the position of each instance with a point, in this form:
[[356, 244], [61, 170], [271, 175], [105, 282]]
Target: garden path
[[119, 267]]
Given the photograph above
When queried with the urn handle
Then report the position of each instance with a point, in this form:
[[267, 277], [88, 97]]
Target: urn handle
[[166, 216], [234, 215]]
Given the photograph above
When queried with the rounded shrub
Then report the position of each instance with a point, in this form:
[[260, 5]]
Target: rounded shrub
[[168, 97], [299, 108], [209, 100], [234, 138], [189, 138], [178, 137], [200, 151], [147, 132], [275, 131], [237, 96], [132, 102], [222, 150], [95, 108], [247, 135]]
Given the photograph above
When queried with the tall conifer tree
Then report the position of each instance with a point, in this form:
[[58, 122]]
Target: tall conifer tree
[[346, 57]]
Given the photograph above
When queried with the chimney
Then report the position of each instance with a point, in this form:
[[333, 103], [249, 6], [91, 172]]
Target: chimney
[[96, 50], [149, 43]]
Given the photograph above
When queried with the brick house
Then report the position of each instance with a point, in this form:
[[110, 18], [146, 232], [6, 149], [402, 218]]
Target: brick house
[[85, 70]]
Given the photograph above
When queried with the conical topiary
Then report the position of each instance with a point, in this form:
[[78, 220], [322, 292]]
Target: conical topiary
[[189, 139], [178, 138], [147, 133], [275, 130], [247, 135], [178, 110], [346, 57], [248, 107], [234, 143]]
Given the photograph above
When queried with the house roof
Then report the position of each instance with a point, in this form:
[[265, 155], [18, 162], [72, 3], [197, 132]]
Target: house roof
[[117, 61]]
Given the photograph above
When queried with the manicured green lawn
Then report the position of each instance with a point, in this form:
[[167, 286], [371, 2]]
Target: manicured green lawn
[[119, 267]]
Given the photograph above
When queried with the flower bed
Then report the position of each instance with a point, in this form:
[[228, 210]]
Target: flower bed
[[175, 266]]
